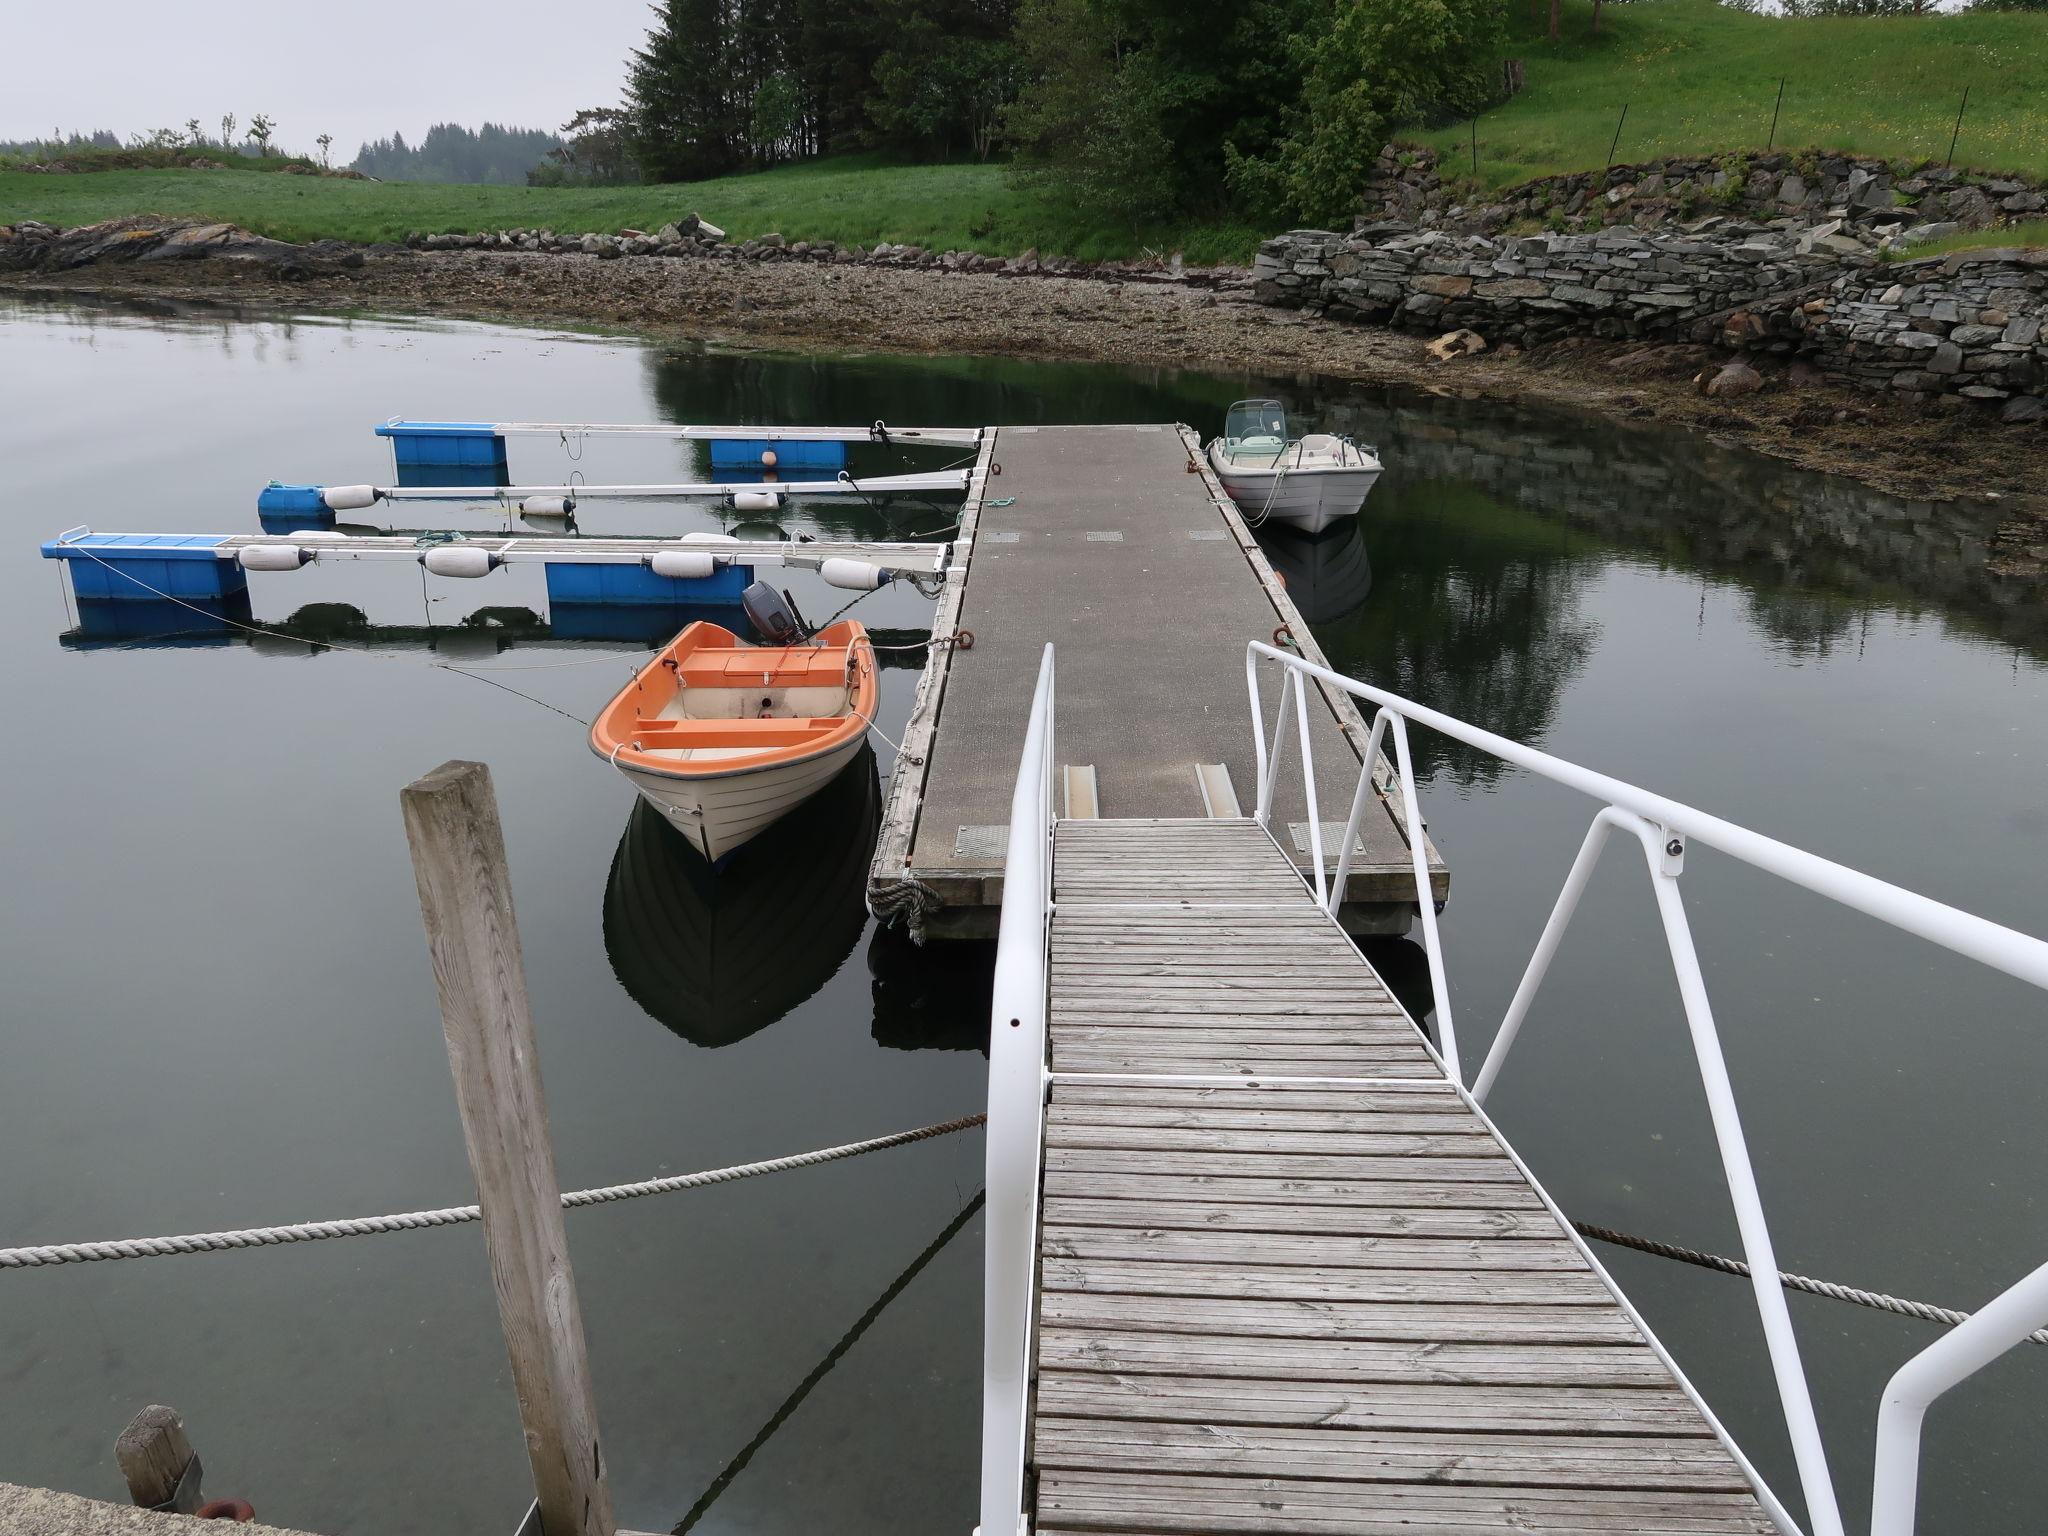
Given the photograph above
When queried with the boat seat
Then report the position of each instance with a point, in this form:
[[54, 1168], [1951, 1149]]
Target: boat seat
[[822, 666], [663, 735]]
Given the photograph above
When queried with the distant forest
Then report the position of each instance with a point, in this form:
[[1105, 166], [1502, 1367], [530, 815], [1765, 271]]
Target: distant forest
[[492, 155], [36, 148]]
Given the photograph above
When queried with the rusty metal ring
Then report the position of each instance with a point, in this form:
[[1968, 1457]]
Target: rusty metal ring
[[238, 1510], [963, 639], [1285, 636]]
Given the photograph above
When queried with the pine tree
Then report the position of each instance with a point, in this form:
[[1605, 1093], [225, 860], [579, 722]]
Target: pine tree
[[688, 120]]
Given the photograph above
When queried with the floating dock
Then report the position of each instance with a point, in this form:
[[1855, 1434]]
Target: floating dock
[[1290, 1280], [1118, 545]]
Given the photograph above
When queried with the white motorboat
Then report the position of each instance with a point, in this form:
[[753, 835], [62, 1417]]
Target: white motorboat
[[1307, 482]]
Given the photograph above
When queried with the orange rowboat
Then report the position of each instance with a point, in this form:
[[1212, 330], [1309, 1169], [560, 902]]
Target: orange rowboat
[[724, 738]]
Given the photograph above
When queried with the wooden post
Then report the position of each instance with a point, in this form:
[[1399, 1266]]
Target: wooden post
[[458, 860], [153, 1454]]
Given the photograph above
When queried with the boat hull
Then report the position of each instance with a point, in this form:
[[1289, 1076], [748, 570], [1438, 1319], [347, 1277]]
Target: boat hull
[[719, 814], [1310, 498]]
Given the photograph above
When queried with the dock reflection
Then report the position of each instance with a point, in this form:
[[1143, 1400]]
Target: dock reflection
[[717, 957], [933, 996]]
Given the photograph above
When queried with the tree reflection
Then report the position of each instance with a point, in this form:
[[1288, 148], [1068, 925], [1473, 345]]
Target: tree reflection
[[1474, 611]]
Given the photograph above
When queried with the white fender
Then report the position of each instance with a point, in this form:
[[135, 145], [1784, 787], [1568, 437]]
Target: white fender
[[548, 506], [769, 458], [272, 557], [349, 498], [757, 501], [682, 564], [853, 575], [322, 537], [458, 560], [705, 536]]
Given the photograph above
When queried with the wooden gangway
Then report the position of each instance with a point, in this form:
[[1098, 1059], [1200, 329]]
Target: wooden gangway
[[1290, 1279]]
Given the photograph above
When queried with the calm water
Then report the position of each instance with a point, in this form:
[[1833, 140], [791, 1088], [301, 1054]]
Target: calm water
[[217, 1007]]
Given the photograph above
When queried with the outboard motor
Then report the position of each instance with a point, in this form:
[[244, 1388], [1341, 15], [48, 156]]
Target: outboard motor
[[773, 616]]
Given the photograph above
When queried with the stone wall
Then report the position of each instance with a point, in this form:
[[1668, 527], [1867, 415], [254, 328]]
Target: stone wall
[[1807, 185], [1971, 323]]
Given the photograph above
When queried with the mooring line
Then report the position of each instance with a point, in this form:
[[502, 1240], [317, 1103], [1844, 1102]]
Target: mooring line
[[42, 1255], [1925, 1311]]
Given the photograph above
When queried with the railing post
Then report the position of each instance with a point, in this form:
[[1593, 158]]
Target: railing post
[[1308, 780], [1264, 815], [458, 861], [1808, 1452], [2001, 1324], [1360, 798], [1016, 1123], [1425, 901], [1546, 949]]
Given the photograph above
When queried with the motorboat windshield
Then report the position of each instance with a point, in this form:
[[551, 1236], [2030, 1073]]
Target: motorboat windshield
[[1255, 427]]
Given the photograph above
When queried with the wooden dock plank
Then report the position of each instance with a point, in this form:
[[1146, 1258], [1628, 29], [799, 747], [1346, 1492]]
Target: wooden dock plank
[[1271, 1302]]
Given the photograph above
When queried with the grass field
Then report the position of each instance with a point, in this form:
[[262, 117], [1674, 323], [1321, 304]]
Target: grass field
[[1699, 77], [857, 199]]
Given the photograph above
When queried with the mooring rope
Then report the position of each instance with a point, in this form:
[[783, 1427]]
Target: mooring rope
[[406, 1221], [1925, 1311]]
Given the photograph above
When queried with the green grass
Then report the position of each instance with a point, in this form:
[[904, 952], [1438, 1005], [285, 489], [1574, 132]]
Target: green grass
[[1699, 77], [856, 199], [2033, 234]]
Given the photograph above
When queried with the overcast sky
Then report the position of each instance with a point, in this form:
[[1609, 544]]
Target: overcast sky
[[357, 69]]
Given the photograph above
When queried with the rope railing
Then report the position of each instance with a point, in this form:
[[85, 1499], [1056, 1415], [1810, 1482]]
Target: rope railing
[[44, 1255]]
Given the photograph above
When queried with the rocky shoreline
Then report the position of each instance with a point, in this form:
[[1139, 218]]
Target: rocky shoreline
[[1936, 447]]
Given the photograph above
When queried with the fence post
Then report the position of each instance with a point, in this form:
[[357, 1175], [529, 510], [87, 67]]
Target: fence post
[[1959, 126], [154, 1454], [1775, 107], [458, 860], [1611, 148]]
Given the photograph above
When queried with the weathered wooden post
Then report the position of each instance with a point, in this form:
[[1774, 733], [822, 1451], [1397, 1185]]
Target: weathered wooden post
[[155, 1457], [458, 859]]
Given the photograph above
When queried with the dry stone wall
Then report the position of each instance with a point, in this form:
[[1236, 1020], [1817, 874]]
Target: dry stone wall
[[1971, 323]]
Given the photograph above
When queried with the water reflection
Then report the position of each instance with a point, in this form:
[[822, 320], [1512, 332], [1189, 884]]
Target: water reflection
[[719, 956], [931, 996], [483, 632], [1815, 549], [1476, 608], [1327, 574]]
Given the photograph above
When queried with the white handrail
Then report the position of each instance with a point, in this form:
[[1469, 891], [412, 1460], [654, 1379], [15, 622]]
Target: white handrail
[[1663, 827], [1016, 1122]]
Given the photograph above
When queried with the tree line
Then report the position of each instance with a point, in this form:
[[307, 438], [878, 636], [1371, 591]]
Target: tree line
[[492, 155], [1131, 108]]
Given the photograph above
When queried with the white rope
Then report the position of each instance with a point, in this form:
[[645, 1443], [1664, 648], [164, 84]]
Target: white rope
[[1924, 1310], [408, 1221]]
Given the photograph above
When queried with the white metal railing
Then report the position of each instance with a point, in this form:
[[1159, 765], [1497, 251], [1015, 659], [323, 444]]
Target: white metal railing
[[1663, 828], [1016, 1123]]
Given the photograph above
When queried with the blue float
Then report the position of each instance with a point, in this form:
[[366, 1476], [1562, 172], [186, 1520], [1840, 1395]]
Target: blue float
[[147, 567], [446, 452], [576, 583], [740, 453], [302, 504]]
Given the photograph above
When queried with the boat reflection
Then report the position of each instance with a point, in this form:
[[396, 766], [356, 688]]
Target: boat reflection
[[1328, 574], [717, 957]]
